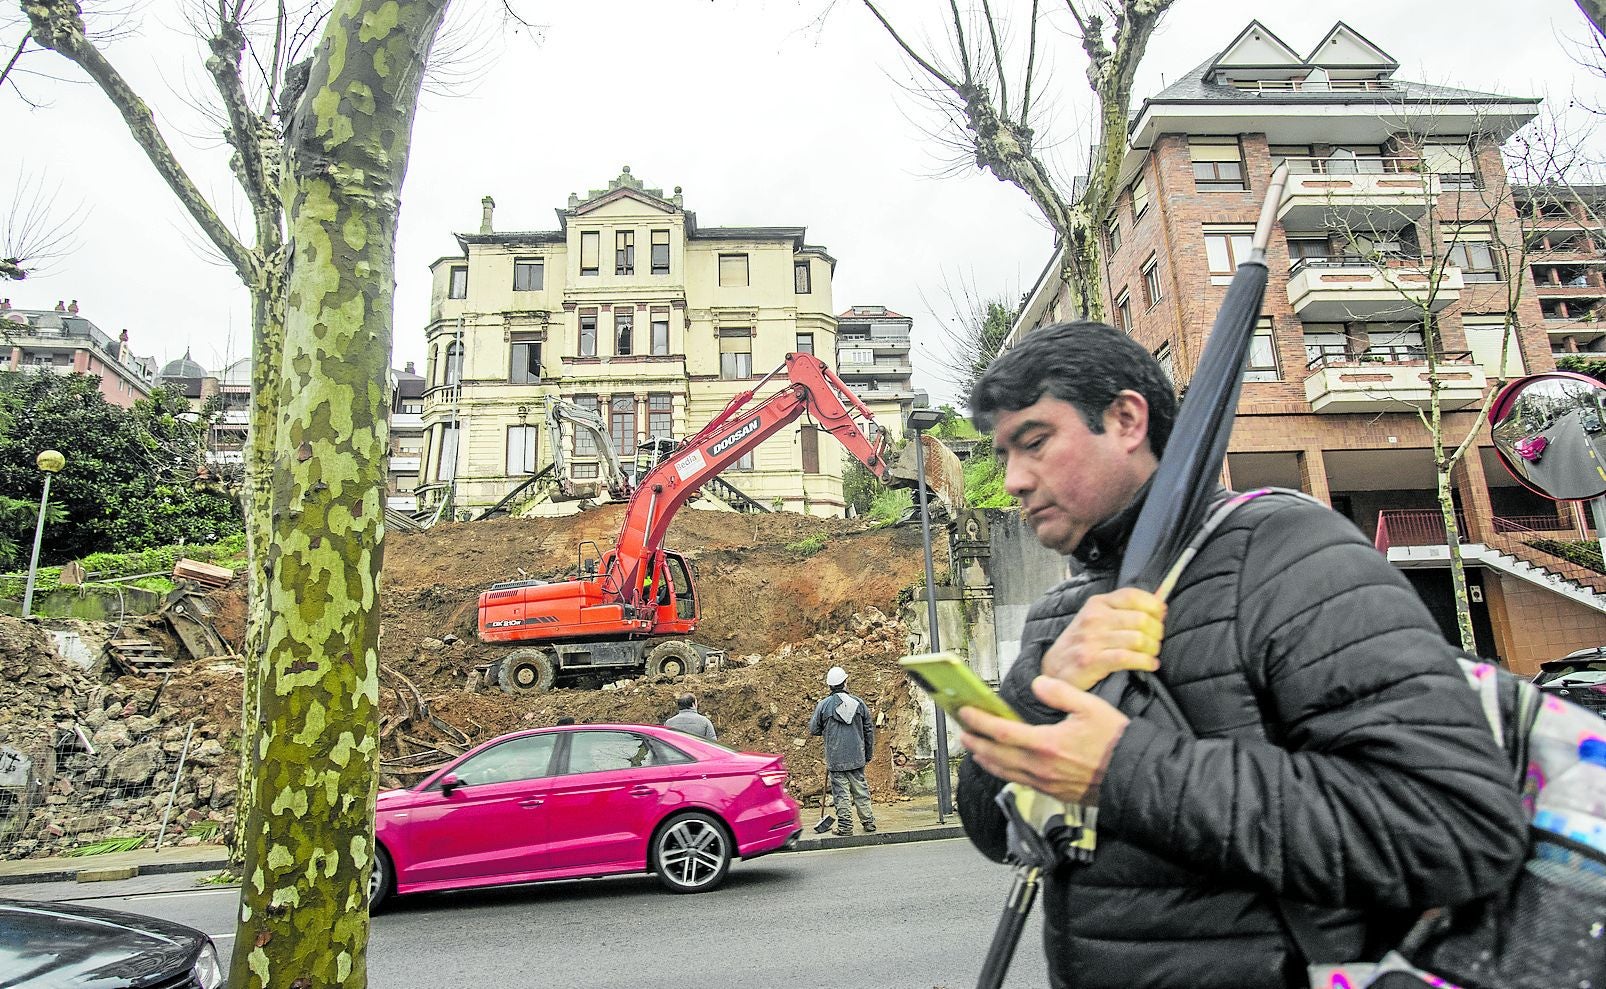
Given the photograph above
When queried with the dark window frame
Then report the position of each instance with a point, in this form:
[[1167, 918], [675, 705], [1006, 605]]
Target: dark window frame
[[457, 282], [624, 252], [527, 372], [624, 331], [802, 278], [660, 264], [590, 243], [587, 334], [525, 267]]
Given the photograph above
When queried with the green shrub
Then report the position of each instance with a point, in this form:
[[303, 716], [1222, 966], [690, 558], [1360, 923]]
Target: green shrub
[[230, 552], [889, 504], [809, 546], [1585, 554], [984, 483]]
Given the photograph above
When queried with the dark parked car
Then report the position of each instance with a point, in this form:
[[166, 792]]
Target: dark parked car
[[67, 946], [1579, 677]]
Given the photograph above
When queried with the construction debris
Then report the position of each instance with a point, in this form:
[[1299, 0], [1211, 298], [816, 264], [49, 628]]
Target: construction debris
[[205, 574]]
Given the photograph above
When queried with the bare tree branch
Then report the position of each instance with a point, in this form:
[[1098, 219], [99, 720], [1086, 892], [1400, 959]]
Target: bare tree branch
[[915, 56], [56, 25]]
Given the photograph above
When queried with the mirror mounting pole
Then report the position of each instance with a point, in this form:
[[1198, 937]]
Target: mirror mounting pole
[[1598, 507]]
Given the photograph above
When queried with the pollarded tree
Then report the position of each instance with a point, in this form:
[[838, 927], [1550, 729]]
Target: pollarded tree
[[320, 148], [984, 92]]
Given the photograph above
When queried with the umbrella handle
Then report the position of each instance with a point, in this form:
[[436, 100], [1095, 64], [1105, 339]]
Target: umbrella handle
[[1006, 937]]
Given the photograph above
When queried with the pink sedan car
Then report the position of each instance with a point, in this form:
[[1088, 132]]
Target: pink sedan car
[[1532, 448], [583, 800]]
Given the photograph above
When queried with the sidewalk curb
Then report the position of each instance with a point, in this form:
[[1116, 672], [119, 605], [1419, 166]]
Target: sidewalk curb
[[879, 838], [151, 869]]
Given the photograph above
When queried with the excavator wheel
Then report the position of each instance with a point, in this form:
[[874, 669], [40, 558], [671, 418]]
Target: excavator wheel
[[527, 670], [674, 659]]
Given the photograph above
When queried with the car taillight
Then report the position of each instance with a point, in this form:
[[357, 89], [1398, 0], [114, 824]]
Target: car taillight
[[772, 777]]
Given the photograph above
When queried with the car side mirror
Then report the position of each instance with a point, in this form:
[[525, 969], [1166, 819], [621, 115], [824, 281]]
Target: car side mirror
[[450, 782]]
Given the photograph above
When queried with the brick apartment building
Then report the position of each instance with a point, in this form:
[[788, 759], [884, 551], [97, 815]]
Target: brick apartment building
[[1390, 181]]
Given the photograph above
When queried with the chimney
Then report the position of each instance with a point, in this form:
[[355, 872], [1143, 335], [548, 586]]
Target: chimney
[[487, 206], [410, 368], [122, 344]]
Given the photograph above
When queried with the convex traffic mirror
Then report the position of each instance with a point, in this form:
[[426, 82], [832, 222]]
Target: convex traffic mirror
[[1550, 432]]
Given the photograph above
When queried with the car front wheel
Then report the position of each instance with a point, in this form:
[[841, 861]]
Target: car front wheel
[[691, 853]]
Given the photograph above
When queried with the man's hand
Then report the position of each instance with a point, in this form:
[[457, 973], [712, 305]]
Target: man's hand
[[1064, 760], [1120, 630]]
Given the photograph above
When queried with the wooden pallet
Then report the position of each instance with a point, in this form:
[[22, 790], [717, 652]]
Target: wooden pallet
[[138, 656]]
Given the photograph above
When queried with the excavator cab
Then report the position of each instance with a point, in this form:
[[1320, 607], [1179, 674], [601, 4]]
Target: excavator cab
[[680, 580]]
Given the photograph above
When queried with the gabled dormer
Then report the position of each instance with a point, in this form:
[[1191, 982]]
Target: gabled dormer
[[625, 195], [1256, 54], [1345, 54]]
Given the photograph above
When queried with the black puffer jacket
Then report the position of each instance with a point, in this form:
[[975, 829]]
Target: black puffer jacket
[[1340, 761]]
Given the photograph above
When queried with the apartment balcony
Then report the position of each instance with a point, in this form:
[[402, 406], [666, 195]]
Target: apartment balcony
[[402, 502], [401, 421], [1572, 289], [225, 458], [1344, 289], [404, 465], [1359, 193], [1386, 379], [234, 417], [875, 370]]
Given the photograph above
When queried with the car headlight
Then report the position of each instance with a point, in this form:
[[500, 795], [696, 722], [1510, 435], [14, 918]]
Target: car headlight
[[207, 972]]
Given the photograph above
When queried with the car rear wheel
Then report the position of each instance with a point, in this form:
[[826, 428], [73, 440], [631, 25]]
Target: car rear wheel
[[691, 853], [528, 670], [381, 880]]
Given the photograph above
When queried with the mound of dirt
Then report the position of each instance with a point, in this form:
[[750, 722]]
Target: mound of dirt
[[762, 706], [756, 593]]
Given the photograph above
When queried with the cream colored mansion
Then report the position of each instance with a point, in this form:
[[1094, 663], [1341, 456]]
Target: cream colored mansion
[[633, 310]]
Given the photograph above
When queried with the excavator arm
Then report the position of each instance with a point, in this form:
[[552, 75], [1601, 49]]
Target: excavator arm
[[559, 411], [814, 389]]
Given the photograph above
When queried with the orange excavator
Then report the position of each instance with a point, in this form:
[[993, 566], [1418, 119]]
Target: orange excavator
[[635, 605]]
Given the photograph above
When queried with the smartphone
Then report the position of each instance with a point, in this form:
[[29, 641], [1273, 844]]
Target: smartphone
[[953, 684]]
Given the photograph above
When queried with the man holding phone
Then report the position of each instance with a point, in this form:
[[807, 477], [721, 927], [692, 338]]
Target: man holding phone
[[1335, 777]]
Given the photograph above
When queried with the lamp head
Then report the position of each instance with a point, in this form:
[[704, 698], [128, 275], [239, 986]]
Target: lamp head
[[51, 461]]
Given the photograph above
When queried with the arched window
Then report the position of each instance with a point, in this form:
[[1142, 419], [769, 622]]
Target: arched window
[[454, 363]]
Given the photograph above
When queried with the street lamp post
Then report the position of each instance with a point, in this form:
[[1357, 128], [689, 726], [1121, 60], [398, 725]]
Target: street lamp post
[[51, 463], [921, 420]]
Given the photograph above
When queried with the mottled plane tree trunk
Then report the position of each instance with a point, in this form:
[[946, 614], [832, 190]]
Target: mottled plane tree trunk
[[309, 840], [1001, 133]]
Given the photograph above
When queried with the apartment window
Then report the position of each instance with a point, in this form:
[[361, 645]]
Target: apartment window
[[660, 252], [732, 270], [1123, 312], [524, 361], [1151, 281], [1140, 197], [622, 424], [661, 416], [1301, 248], [735, 354], [1112, 234], [1261, 364], [1218, 164], [1167, 363], [590, 252], [805, 343], [446, 470], [1297, 155], [745, 463], [809, 438], [660, 332], [624, 252], [1225, 249], [624, 331], [454, 363], [458, 289], [1453, 163], [528, 275], [585, 442], [1473, 252], [800, 277], [521, 450], [588, 333], [1325, 342]]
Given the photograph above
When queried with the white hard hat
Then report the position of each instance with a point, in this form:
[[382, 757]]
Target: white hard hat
[[836, 677]]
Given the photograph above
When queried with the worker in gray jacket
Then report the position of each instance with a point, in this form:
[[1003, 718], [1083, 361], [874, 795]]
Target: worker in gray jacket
[[844, 721], [688, 720]]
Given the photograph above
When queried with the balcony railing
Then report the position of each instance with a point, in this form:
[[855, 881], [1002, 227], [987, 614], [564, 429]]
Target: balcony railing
[[1315, 86], [1415, 527], [1323, 355], [1383, 287], [1344, 165]]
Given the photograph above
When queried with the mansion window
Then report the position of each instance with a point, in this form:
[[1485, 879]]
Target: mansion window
[[624, 331], [660, 252], [624, 252], [735, 354], [800, 278], [528, 275], [588, 333], [732, 270], [524, 360], [458, 289], [660, 332], [590, 252]]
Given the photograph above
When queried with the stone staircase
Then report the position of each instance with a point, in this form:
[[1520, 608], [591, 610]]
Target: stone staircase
[[1515, 556]]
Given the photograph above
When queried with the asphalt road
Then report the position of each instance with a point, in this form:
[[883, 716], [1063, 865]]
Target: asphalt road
[[914, 916]]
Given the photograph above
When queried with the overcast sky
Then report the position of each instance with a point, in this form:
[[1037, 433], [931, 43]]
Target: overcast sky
[[759, 114]]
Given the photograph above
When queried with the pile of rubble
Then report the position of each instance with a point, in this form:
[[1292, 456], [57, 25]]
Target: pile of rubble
[[83, 761]]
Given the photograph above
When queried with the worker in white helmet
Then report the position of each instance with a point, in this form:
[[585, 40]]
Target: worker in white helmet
[[849, 731]]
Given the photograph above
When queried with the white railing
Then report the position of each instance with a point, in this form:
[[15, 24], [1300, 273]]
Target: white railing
[[1322, 86]]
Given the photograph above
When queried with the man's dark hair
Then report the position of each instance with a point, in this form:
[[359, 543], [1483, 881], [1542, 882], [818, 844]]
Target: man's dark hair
[[565, 720], [686, 701], [1084, 363]]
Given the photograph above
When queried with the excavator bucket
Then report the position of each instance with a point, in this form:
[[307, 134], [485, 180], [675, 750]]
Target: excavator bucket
[[945, 475]]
